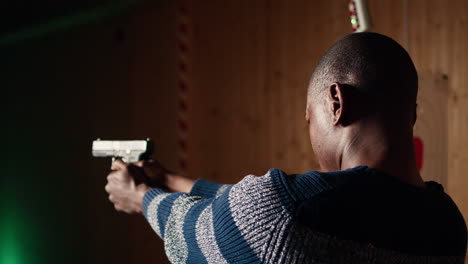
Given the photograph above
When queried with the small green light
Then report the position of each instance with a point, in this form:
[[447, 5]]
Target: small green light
[[353, 21]]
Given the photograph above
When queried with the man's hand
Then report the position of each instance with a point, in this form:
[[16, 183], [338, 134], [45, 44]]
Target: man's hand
[[155, 174], [124, 193], [160, 177]]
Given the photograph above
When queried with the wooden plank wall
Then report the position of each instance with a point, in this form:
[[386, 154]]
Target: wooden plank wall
[[438, 43], [151, 31], [251, 65]]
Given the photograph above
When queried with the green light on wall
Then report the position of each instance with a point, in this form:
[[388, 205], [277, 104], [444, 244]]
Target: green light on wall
[[10, 251], [17, 239], [353, 21]]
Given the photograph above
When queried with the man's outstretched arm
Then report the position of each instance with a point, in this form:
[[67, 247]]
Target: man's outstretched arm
[[127, 194], [228, 227], [160, 177]]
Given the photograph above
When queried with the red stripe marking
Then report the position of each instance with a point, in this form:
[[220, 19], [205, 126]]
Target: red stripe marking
[[182, 86], [183, 145], [183, 164], [183, 28], [182, 47], [183, 67], [419, 151], [183, 106], [182, 125]]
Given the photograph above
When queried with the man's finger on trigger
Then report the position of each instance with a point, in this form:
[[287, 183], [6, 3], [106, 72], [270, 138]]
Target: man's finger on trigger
[[118, 164]]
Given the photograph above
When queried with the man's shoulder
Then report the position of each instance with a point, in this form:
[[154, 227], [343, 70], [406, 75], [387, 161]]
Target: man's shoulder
[[370, 207]]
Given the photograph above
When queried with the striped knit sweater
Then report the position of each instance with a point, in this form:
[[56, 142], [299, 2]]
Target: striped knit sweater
[[359, 215]]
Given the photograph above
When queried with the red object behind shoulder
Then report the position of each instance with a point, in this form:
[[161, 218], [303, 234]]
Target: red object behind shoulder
[[419, 151]]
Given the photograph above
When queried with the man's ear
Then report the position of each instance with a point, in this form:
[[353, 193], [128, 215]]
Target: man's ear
[[336, 103], [307, 115]]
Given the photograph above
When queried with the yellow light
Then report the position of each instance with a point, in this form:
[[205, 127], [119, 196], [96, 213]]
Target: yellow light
[[353, 21]]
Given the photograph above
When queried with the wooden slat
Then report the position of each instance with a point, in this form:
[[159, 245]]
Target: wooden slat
[[439, 45], [252, 64]]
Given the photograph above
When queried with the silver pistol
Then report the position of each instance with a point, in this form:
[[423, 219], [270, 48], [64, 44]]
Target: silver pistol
[[128, 151]]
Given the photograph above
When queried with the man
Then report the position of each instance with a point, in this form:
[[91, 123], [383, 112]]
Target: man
[[368, 205]]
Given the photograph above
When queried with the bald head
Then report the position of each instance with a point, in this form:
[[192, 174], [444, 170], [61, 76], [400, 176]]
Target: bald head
[[362, 107], [375, 66]]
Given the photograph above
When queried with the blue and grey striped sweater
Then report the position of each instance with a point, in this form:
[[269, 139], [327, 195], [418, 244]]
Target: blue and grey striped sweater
[[359, 215]]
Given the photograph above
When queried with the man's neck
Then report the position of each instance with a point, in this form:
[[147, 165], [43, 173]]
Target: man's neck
[[392, 153]]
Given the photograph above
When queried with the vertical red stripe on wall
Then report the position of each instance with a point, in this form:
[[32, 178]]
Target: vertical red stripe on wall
[[183, 80]]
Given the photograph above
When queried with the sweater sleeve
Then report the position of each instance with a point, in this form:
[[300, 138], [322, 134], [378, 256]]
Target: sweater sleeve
[[231, 227], [207, 189]]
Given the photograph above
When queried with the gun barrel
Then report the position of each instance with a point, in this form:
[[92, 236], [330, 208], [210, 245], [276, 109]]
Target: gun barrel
[[128, 150]]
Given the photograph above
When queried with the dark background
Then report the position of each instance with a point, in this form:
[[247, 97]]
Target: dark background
[[64, 88]]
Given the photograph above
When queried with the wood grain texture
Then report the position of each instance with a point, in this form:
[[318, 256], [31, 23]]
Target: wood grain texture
[[438, 43], [151, 33], [432, 126], [252, 63]]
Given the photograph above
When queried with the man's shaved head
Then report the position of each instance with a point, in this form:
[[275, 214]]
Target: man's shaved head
[[376, 66], [361, 104]]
